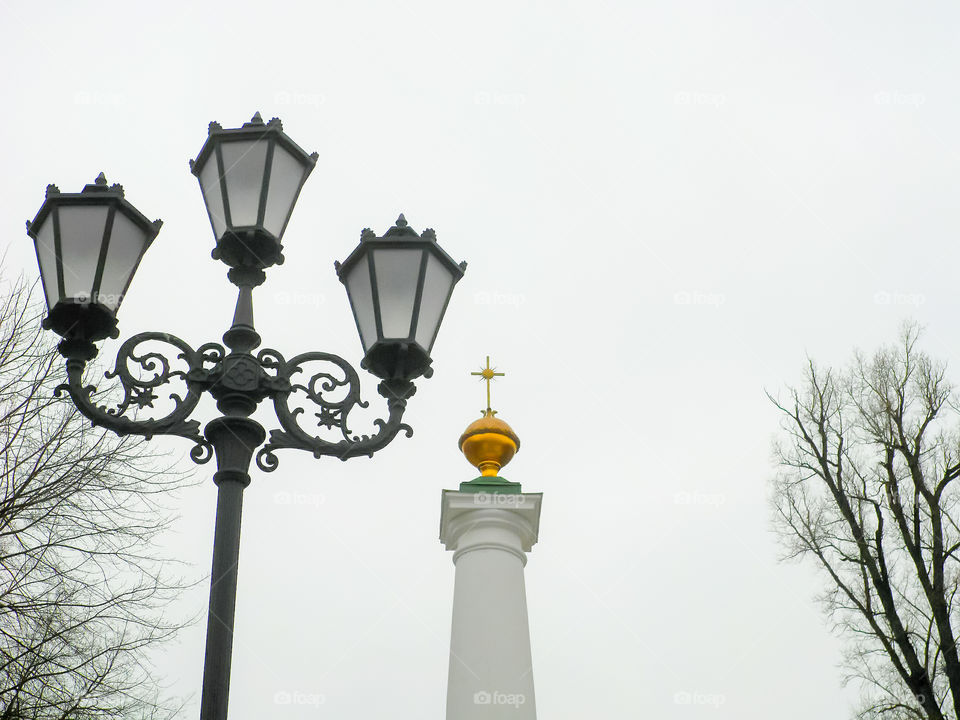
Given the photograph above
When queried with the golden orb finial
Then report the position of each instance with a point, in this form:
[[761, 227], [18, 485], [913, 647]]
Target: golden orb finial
[[489, 443]]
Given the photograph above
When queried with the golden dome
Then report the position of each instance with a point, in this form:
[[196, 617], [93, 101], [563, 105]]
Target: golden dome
[[489, 443]]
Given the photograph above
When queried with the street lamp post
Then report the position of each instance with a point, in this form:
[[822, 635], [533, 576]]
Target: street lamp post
[[89, 245]]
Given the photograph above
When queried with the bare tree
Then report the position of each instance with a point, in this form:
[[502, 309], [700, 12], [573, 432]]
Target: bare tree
[[866, 487], [82, 592]]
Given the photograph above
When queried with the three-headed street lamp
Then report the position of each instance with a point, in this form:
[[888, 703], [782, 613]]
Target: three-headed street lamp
[[89, 245]]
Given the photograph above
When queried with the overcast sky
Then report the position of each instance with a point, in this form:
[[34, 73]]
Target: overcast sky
[[664, 207]]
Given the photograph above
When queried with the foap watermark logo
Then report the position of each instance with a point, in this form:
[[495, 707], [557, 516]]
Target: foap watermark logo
[[888, 98], [288, 97], [699, 99], [697, 498], [298, 499], [108, 299], [697, 298], [695, 697], [298, 698], [885, 297], [495, 697], [494, 499], [495, 297], [487, 97]]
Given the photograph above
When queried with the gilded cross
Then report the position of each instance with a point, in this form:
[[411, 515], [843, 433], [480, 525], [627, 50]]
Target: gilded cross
[[488, 374]]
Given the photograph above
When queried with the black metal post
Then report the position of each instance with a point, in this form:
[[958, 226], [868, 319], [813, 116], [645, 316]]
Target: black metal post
[[223, 596], [234, 437]]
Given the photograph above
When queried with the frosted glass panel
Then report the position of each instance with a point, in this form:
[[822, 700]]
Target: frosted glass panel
[[285, 176], [436, 289], [127, 244], [81, 235], [361, 299], [212, 195], [397, 272], [47, 257], [243, 166]]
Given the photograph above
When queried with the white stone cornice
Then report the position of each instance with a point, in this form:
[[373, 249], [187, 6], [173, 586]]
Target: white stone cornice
[[508, 521]]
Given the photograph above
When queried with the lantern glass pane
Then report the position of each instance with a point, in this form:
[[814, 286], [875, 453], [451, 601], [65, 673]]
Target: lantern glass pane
[[286, 175], [397, 272], [47, 258], [243, 165], [437, 282], [81, 235], [213, 195], [128, 242], [361, 300]]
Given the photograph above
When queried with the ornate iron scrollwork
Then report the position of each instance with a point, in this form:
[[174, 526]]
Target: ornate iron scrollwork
[[322, 389], [334, 389], [140, 386]]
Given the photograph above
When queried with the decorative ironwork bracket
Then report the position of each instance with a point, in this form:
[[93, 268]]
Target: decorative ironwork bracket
[[333, 413], [140, 392], [238, 381]]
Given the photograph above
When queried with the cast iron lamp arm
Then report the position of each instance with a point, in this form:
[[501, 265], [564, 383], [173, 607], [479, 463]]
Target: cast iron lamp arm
[[333, 413], [139, 392]]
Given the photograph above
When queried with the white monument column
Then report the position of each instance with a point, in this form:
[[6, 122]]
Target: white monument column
[[491, 675], [490, 525]]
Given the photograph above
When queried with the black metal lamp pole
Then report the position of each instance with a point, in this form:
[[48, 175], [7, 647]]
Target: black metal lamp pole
[[89, 245]]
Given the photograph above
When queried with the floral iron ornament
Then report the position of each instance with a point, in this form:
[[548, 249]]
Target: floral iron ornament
[[89, 245]]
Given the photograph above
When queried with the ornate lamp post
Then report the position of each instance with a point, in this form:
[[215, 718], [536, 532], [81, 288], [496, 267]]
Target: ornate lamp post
[[89, 245]]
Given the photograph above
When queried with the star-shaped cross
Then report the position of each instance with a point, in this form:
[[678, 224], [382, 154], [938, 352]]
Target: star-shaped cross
[[488, 373]]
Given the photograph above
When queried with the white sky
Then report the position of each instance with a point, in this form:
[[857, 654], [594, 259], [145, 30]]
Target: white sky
[[664, 206]]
